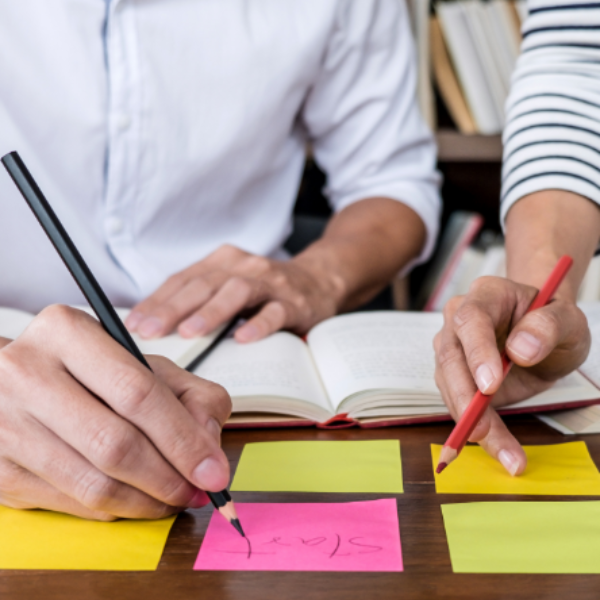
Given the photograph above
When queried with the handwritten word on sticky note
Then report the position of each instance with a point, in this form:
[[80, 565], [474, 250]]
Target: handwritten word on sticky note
[[354, 536], [48, 540], [371, 466], [560, 469], [523, 537]]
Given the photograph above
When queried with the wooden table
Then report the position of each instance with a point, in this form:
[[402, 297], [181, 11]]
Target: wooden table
[[427, 573]]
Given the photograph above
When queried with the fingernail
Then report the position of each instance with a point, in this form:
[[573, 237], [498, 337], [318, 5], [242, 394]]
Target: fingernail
[[209, 474], [150, 327], [199, 499], [509, 461], [247, 333], [525, 345], [195, 325], [484, 377], [133, 320]]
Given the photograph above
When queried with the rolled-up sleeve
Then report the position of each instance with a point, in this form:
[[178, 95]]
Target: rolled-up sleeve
[[552, 135], [363, 119]]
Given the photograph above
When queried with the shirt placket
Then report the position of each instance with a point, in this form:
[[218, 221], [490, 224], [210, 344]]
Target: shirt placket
[[124, 114]]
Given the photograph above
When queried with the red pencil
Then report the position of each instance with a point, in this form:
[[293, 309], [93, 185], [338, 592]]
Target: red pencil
[[463, 429]]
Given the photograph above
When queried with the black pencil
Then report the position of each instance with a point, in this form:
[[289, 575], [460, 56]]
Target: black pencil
[[91, 289]]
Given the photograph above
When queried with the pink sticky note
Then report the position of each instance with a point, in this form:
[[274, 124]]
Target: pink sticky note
[[352, 536]]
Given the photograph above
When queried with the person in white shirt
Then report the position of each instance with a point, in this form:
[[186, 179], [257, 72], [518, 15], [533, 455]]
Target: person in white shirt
[[170, 139]]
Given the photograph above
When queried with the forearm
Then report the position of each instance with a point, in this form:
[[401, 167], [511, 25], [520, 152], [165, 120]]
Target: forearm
[[363, 247], [542, 227]]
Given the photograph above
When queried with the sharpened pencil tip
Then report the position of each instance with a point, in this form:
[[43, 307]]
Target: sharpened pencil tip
[[236, 524], [441, 466]]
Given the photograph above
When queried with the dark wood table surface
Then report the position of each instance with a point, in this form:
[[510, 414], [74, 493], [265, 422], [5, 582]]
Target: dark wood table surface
[[427, 571]]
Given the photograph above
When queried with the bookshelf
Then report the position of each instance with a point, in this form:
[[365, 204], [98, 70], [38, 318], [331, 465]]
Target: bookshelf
[[455, 147]]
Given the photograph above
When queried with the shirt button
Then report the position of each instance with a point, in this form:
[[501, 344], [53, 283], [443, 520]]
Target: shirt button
[[123, 123], [115, 225]]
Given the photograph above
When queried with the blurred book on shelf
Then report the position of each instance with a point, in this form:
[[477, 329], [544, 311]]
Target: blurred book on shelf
[[466, 253], [467, 50], [419, 13]]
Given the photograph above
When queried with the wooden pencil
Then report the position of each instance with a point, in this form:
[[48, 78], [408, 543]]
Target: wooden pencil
[[91, 288], [478, 405]]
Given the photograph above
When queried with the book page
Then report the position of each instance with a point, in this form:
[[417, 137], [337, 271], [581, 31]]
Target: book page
[[376, 350], [591, 367], [180, 350], [13, 322], [278, 367]]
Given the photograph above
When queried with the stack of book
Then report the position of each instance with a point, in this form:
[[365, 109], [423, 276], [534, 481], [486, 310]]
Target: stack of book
[[471, 47]]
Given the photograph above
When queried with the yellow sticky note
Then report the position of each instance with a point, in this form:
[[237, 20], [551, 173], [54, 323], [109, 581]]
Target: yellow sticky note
[[523, 537], [364, 466], [40, 539], [560, 469]]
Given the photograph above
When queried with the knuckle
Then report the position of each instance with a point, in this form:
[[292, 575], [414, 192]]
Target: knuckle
[[14, 370], [280, 280], [175, 492], [176, 280], [257, 264], [95, 491], [132, 388], [217, 398], [57, 316], [299, 301], [475, 357], [465, 313], [228, 251], [240, 286], [484, 283], [545, 322], [448, 354], [451, 307], [110, 446], [65, 319], [275, 315], [11, 479], [167, 312]]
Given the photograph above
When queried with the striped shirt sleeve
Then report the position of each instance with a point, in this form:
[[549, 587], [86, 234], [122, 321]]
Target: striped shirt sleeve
[[552, 133]]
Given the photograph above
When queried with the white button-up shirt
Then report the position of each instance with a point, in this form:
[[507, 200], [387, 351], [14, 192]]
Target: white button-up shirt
[[160, 130]]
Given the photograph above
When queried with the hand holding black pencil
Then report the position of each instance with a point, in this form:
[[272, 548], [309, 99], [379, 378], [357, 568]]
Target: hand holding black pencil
[[90, 287]]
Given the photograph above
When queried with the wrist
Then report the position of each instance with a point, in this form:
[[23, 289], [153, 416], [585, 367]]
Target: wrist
[[325, 273], [542, 227]]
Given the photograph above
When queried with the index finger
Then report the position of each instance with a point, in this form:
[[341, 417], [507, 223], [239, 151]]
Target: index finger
[[133, 392], [485, 315]]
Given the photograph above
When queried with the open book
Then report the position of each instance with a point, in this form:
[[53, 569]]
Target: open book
[[587, 419], [371, 369], [180, 350]]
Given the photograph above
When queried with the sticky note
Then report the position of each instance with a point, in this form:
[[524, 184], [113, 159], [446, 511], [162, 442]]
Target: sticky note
[[523, 537], [371, 466], [353, 536], [40, 539], [560, 469]]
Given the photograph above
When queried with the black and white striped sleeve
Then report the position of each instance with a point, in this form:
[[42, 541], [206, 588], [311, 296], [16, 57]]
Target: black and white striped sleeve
[[552, 133]]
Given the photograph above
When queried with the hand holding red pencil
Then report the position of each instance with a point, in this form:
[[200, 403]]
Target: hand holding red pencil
[[480, 402]]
